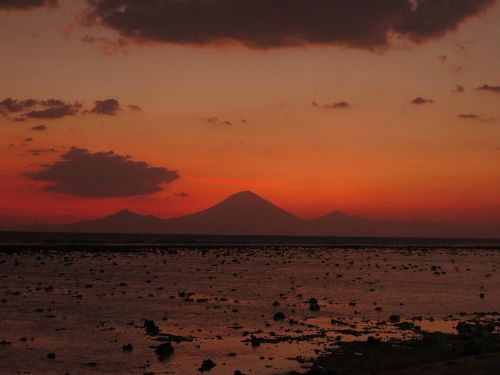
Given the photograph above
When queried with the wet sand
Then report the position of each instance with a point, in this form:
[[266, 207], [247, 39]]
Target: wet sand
[[250, 310]]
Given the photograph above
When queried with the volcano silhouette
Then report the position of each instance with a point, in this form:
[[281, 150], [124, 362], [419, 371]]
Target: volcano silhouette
[[246, 213], [243, 213]]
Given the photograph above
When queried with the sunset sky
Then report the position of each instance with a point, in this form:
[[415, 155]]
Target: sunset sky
[[388, 109]]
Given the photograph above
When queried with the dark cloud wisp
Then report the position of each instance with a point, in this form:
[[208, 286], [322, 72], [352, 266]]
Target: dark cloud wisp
[[473, 116], [42, 151], [219, 122], [108, 107], [490, 88], [336, 105], [134, 108], [469, 116], [26, 4], [102, 174], [49, 109], [421, 101], [52, 109], [276, 23]]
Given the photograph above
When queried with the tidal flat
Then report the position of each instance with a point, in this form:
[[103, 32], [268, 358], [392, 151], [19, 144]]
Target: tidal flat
[[246, 310]]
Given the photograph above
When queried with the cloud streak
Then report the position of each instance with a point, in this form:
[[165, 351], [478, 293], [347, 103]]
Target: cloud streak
[[49, 109], [52, 109], [26, 4], [38, 128], [458, 89], [42, 151], [489, 88], [264, 24], [108, 107], [421, 101], [218, 122], [82, 173], [469, 116], [473, 116], [336, 105]]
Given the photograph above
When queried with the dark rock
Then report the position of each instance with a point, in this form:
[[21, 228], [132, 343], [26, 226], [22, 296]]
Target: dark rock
[[313, 304], [255, 342], [151, 328], [207, 365], [164, 351], [279, 316], [394, 318]]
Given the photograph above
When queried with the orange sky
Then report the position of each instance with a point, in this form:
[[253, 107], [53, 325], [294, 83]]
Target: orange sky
[[382, 157]]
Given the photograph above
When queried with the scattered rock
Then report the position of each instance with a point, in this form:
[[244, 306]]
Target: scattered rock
[[207, 365], [279, 316], [313, 304], [394, 319], [151, 328], [164, 351]]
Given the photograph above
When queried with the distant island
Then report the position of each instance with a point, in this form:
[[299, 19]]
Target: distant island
[[246, 213]]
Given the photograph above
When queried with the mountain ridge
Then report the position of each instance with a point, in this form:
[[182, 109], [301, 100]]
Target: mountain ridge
[[246, 213]]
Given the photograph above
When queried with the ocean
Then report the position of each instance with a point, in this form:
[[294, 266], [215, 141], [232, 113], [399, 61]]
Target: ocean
[[259, 305]]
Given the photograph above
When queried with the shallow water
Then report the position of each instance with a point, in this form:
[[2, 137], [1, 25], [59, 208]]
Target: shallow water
[[83, 306]]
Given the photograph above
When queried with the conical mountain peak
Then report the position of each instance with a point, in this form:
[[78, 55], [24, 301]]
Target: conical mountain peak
[[125, 212], [244, 196], [241, 213], [337, 214]]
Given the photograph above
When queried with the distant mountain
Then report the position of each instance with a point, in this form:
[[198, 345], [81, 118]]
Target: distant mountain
[[246, 213], [124, 221], [243, 213], [341, 224]]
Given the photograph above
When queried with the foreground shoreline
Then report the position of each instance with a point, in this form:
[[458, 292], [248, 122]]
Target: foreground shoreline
[[482, 364], [474, 349], [256, 310]]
